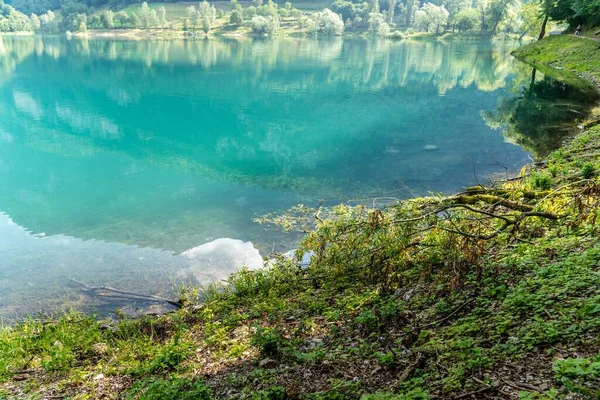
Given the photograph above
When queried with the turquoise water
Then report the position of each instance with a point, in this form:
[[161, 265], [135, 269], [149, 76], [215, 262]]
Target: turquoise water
[[118, 157]]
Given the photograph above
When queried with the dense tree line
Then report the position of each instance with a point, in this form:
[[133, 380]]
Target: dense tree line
[[377, 17], [12, 20]]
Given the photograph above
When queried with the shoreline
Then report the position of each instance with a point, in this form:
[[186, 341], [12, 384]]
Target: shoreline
[[177, 34]]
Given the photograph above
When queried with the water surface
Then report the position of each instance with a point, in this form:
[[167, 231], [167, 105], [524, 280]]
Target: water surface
[[118, 157]]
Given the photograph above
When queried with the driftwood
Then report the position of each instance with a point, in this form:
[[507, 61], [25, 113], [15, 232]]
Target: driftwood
[[101, 291]]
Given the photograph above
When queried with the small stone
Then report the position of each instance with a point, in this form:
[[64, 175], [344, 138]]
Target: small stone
[[100, 348], [267, 363], [98, 377], [409, 294], [314, 342], [58, 344]]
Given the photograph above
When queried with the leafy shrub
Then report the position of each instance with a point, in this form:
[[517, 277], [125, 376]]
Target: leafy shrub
[[236, 18], [387, 359], [377, 25], [250, 12], [397, 35], [264, 25], [267, 340], [588, 171], [273, 393], [541, 181], [327, 23], [579, 375]]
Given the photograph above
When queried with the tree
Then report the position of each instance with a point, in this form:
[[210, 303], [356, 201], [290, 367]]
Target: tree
[[377, 25], [190, 13], [48, 22], [35, 22], [586, 11], [94, 22], [207, 14], [162, 16], [349, 10], [431, 16], [466, 20], [408, 11], [250, 12], [136, 20], [391, 11], [122, 17], [496, 13], [236, 18], [531, 16], [455, 7], [264, 25], [327, 23], [108, 19], [147, 16], [12, 20]]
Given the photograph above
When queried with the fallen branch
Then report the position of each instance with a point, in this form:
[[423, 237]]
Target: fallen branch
[[492, 200], [475, 392], [439, 321], [124, 294], [522, 385], [410, 369]]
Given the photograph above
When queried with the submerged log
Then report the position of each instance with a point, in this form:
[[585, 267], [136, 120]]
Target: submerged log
[[122, 294]]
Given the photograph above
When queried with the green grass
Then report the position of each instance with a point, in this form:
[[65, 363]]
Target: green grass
[[564, 52]]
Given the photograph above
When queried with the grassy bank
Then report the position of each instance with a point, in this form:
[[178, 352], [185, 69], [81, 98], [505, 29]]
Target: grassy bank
[[491, 292], [565, 54]]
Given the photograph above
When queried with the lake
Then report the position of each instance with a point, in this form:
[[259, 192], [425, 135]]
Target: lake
[[142, 164]]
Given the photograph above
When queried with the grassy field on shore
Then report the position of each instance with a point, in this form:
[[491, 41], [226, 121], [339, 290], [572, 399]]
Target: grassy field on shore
[[577, 55], [491, 292]]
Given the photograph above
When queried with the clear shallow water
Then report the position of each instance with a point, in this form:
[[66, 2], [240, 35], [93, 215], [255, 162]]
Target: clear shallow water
[[118, 156]]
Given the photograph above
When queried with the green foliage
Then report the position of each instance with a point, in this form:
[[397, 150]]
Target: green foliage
[[168, 359], [387, 359], [588, 171], [415, 394], [267, 340], [579, 375], [397, 35], [542, 181], [273, 393], [12, 20], [264, 25], [173, 388], [236, 18]]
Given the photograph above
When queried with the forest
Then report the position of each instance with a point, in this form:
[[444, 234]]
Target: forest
[[394, 18]]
